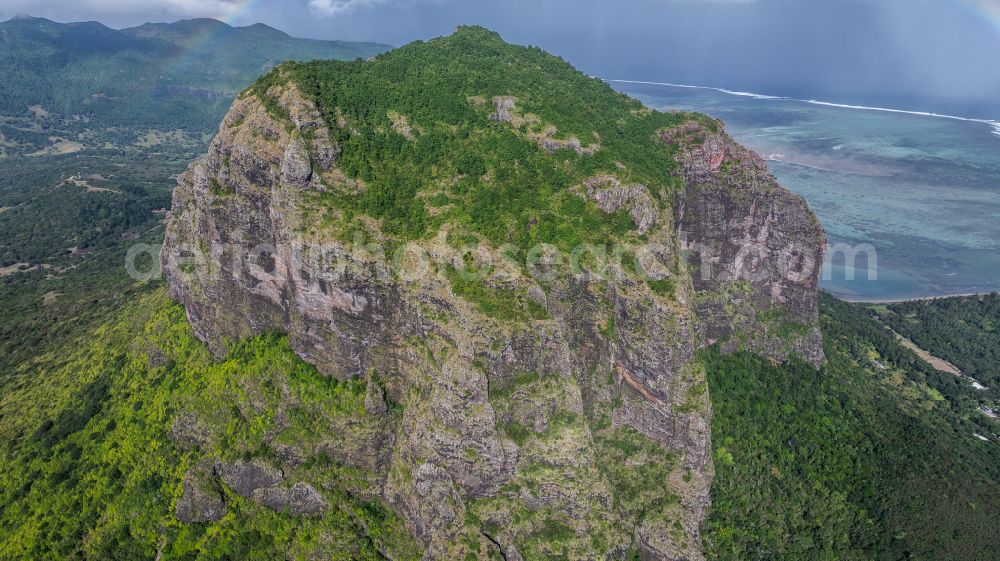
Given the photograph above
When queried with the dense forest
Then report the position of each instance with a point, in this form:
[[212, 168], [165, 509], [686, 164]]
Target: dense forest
[[850, 462], [416, 127], [92, 471]]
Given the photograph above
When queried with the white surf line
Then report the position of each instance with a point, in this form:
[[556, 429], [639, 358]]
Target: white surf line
[[730, 92], [994, 124]]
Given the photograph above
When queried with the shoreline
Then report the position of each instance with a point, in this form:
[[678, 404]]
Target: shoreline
[[913, 299]]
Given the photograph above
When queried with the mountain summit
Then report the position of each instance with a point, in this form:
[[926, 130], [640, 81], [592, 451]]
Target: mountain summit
[[518, 263]]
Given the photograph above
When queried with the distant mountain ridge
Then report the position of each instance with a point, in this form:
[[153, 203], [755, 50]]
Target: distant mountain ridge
[[156, 74]]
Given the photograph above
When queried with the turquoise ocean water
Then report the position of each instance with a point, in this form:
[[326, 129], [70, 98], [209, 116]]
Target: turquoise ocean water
[[922, 191]]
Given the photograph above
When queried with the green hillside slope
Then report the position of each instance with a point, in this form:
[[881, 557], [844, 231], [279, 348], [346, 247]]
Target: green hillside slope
[[861, 460], [964, 331], [93, 467]]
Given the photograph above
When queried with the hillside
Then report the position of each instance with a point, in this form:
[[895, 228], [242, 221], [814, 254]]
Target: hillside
[[964, 331], [157, 75], [95, 447], [864, 459]]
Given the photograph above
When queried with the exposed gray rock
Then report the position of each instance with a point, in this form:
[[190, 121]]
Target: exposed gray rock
[[552, 145], [755, 247], [246, 477], [375, 398], [430, 506], [291, 456], [611, 196], [201, 500], [302, 499], [547, 141], [188, 430], [156, 356], [504, 105], [296, 168]]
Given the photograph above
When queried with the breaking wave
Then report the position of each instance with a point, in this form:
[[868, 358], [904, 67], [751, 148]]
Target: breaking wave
[[723, 90]]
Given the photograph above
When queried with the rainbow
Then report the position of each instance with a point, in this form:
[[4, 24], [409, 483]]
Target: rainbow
[[234, 9], [229, 11]]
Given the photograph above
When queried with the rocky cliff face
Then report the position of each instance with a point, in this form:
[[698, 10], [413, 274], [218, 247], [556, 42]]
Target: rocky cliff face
[[580, 427], [754, 248]]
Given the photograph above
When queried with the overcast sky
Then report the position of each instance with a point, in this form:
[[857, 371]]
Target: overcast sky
[[841, 49]]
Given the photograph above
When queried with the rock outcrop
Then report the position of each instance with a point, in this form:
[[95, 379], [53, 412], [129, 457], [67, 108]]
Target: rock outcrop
[[244, 478], [301, 499], [585, 427], [755, 249], [201, 499]]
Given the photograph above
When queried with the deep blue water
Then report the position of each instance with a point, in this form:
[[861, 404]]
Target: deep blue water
[[923, 191]]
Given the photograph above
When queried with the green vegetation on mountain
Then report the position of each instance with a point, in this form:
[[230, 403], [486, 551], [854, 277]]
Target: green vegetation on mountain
[[854, 461], [415, 126], [443, 144], [964, 331], [91, 469]]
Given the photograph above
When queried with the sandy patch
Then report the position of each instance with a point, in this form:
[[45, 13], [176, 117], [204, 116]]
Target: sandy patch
[[83, 182], [50, 297], [17, 268], [939, 363], [59, 147], [39, 111], [401, 124]]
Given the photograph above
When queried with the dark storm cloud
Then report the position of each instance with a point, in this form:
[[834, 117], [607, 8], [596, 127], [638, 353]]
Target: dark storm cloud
[[832, 48]]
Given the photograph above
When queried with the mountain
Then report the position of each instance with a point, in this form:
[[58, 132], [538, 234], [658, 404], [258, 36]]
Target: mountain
[[461, 301], [508, 376], [155, 74]]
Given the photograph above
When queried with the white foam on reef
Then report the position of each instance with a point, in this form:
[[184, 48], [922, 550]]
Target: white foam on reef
[[723, 90], [994, 124]]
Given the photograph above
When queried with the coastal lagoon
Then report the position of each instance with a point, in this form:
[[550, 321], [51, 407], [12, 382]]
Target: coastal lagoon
[[922, 190]]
